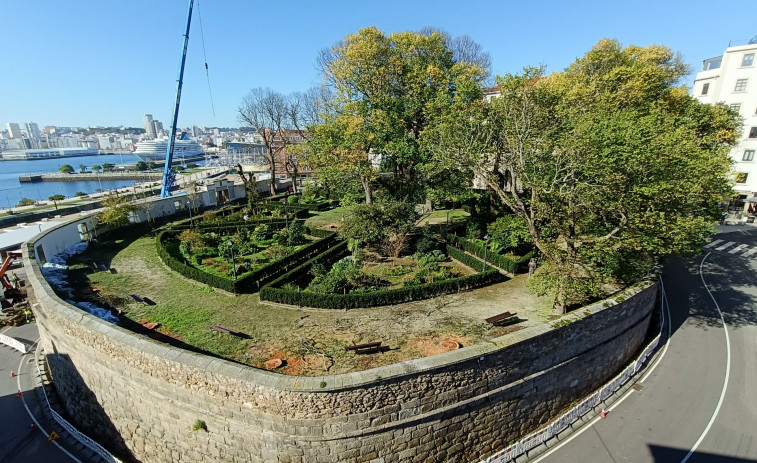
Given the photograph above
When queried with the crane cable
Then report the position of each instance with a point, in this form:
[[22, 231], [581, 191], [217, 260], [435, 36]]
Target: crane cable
[[207, 75]]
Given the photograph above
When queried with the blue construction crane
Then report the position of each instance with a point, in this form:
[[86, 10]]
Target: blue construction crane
[[168, 173]]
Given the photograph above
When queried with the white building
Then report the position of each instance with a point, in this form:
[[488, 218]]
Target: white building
[[14, 131], [732, 79]]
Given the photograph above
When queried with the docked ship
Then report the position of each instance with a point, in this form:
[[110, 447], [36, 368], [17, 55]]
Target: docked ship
[[155, 150]]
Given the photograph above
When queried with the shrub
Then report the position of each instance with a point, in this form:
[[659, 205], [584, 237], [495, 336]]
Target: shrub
[[276, 293], [294, 199], [207, 216]]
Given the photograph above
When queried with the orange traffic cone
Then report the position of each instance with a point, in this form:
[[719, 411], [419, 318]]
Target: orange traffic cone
[[13, 375], [20, 394], [604, 413]]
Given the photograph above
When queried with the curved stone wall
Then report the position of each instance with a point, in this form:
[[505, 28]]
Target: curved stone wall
[[140, 398]]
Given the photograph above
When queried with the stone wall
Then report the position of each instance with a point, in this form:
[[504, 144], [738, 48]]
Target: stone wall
[[140, 398]]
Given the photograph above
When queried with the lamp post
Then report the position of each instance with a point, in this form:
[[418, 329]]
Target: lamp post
[[486, 249], [233, 264], [191, 220]]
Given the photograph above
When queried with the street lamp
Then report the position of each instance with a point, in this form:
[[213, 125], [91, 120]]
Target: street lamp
[[486, 249], [233, 264], [191, 221]]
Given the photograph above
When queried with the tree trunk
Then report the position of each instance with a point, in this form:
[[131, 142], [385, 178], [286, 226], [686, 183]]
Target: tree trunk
[[368, 192], [560, 305]]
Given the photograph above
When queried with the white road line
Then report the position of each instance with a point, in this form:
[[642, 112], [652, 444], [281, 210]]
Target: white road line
[[31, 415], [670, 332], [711, 244], [627, 394], [750, 252], [727, 368], [727, 245], [738, 248]]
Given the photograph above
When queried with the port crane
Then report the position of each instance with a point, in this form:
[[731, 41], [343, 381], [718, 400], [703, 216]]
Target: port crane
[[169, 176]]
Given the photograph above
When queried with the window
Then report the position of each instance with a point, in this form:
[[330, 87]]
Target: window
[[748, 155], [747, 60], [705, 88], [741, 177], [740, 85], [753, 132], [736, 107]]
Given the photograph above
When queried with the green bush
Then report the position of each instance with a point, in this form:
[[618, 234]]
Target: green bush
[[276, 292], [169, 252], [514, 266]]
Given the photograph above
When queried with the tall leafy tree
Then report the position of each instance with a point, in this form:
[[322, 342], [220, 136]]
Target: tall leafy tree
[[385, 88], [611, 165]]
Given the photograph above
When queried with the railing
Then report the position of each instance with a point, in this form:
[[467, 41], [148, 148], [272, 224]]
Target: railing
[[75, 433], [14, 343], [571, 416]]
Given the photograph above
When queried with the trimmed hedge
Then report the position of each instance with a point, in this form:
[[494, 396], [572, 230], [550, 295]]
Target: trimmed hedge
[[273, 293], [514, 266], [168, 250], [167, 242]]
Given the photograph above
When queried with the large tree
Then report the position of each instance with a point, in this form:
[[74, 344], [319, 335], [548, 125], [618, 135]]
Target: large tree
[[385, 88], [611, 165]]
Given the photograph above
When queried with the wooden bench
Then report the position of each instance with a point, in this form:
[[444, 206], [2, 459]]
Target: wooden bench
[[501, 317], [221, 329], [364, 347]]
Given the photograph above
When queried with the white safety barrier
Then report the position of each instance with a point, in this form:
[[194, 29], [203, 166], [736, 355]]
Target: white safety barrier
[[14, 343], [589, 403], [79, 436]]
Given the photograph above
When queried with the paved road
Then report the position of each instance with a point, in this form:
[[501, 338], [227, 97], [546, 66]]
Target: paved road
[[699, 403], [19, 442]]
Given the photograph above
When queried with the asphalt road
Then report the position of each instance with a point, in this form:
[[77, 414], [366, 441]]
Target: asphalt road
[[19, 442], [698, 402]]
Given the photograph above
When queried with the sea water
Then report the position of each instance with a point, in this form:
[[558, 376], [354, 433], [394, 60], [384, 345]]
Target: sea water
[[12, 191]]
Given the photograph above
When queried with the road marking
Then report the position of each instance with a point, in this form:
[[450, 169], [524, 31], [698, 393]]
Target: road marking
[[750, 252], [711, 244], [727, 368], [727, 245], [31, 415], [738, 248], [666, 304], [626, 394]]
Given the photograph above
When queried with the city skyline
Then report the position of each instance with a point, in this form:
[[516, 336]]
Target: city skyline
[[101, 65]]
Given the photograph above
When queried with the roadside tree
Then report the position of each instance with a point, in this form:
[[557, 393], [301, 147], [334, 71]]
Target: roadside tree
[[55, 199], [609, 163], [67, 169]]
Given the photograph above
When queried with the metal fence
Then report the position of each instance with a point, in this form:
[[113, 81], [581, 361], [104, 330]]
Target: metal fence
[[14, 343], [571, 416], [78, 435]]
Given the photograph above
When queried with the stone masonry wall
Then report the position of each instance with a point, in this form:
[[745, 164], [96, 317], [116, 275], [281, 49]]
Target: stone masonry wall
[[140, 398]]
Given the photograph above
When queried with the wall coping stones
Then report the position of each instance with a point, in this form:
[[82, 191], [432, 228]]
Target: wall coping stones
[[345, 381]]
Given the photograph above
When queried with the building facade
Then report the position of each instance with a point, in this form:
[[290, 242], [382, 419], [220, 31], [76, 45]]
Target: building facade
[[732, 79]]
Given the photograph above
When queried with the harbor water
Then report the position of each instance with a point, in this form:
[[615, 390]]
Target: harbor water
[[12, 191]]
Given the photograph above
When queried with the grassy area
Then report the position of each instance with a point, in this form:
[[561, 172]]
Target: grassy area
[[440, 216], [327, 219], [310, 341]]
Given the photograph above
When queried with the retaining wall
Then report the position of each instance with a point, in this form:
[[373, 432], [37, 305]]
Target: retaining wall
[[140, 398]]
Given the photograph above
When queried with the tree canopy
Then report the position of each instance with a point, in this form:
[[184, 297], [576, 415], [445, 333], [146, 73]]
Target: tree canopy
[[611, 165], [385, 90]]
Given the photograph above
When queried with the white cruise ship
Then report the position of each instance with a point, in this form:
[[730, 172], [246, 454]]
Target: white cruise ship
[[155, 150]]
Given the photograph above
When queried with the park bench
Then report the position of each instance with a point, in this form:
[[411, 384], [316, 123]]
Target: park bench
[[501, 317], [364, 347], [221, 329]]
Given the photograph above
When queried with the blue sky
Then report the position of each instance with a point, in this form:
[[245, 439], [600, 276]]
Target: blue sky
[[102, 62]]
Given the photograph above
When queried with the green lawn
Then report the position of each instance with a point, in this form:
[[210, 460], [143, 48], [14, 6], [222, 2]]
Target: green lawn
[[310, 340]]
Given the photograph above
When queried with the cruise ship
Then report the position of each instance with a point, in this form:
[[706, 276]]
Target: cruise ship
[[155, 150]]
